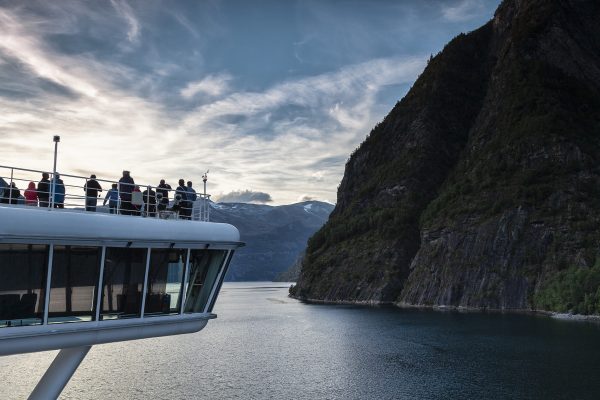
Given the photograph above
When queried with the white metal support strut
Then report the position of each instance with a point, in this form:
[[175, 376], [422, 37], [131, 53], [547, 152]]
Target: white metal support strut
[[59, 373]]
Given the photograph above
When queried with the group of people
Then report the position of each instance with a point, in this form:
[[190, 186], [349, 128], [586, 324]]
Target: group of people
[[124, 197], [34, 196]]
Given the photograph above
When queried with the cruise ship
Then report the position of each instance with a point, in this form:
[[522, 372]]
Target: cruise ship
[[70, 278]]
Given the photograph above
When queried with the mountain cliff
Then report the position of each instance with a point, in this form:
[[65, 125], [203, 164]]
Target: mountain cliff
[[481, 188]]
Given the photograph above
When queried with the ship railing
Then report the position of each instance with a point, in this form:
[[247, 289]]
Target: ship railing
[[150, 202]]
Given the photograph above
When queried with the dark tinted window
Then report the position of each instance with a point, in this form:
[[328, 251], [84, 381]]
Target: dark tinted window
[[165, 278], [75, 272], [23, 270], [123, 282], [204, 269]]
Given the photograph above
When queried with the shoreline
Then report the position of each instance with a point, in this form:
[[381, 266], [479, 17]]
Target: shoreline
[[462, 309]]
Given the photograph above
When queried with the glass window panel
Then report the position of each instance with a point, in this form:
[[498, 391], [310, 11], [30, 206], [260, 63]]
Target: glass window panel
[[75, 272], [123, 282], [165, 277], [204, 269], [23, 269]]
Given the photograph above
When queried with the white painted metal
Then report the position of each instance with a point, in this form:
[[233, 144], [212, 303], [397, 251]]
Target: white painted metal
[[58, 374], [41, 223], [145, 289], [100, 283], [186, 280], [48, 285]]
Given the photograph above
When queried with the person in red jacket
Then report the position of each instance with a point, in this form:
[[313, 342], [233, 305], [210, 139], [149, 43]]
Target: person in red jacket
[[31, 195]]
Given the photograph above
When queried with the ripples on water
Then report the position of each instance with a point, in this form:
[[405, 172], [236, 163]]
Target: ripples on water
[[265, 345]]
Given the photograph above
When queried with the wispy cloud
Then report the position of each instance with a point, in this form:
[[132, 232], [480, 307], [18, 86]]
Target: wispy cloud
[[133, 108], [464, 10], [125, 12], [212, 85]]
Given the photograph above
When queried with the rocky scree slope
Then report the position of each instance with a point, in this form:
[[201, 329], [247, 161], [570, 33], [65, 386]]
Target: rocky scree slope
[[482, 185]]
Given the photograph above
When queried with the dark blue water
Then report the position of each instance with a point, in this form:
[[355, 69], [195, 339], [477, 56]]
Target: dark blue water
[[265, 345]]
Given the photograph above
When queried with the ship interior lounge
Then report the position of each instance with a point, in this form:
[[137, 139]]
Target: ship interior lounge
[[56, 284]]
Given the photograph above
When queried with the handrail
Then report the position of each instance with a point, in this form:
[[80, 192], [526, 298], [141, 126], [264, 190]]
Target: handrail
[[152, 204]]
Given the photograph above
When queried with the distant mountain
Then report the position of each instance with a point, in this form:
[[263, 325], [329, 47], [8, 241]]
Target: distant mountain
[[292, 273], [275, 236], [480, 188]]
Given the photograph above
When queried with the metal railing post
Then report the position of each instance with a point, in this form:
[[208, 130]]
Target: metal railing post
[[10, 186], [118, 199]]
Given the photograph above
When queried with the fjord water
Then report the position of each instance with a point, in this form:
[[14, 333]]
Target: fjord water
[[266, 345]]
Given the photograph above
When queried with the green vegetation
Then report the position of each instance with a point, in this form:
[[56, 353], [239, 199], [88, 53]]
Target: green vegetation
[[575, 290]]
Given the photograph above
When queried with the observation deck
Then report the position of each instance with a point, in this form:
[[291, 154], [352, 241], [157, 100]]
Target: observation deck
[[70, 279]]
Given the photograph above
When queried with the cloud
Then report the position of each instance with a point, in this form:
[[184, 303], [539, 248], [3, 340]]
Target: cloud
[[125, 12], [212, 85], [245, 196], [464, 10], [305, 197]]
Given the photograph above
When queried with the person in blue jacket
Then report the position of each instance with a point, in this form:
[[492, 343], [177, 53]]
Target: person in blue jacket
[[112, 196], [59, 191]]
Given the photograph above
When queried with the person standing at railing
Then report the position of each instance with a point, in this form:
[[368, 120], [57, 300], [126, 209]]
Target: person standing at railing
[[184, 204], [91, 187], [13, 194], [112, 196], [3, 191], [43, 190], [31, 195], [163, 188], [126, 185], [59, 191], [150, 202], [192, 196]]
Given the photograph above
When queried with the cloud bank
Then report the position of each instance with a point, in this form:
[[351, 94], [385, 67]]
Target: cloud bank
[[245, 196]]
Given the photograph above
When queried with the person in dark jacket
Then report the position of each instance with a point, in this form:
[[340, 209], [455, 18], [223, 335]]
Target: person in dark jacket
[[163, 188], [91, 187], [149, 202], [3, 191], [13, 194], [185, 210], [43, 190], [126, 185]]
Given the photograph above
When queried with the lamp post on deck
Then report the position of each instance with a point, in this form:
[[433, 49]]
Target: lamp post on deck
[[56, 139], [205, 200]]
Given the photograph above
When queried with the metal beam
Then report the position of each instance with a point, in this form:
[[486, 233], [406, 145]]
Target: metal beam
[[59, 373]]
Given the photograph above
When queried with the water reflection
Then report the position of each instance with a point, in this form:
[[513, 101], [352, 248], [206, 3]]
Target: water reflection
[[266, 345]]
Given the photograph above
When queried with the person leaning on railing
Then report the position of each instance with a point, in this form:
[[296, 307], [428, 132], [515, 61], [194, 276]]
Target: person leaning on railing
[[112, 196], [59, 191], [31, 195], [43, 190], [13, 194]]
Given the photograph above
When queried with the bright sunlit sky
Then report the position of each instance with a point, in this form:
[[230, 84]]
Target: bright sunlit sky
[[271, 96]]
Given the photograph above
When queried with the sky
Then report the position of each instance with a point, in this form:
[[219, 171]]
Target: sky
[[271, 96]]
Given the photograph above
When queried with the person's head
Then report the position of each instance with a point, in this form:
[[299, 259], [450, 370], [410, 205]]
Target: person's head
[[92, 176], [125, 173], [189, 183], [45, 175], [57, 175], [114, 185], [31, 185], [162, 181], [181, 182]]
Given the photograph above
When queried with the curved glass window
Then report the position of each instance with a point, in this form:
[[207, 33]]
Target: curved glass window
[[165, 277], [22, 284], [204, 270], [123, 282], [75, 271]]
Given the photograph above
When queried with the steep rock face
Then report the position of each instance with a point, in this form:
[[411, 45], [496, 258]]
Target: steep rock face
[[484, 180]]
